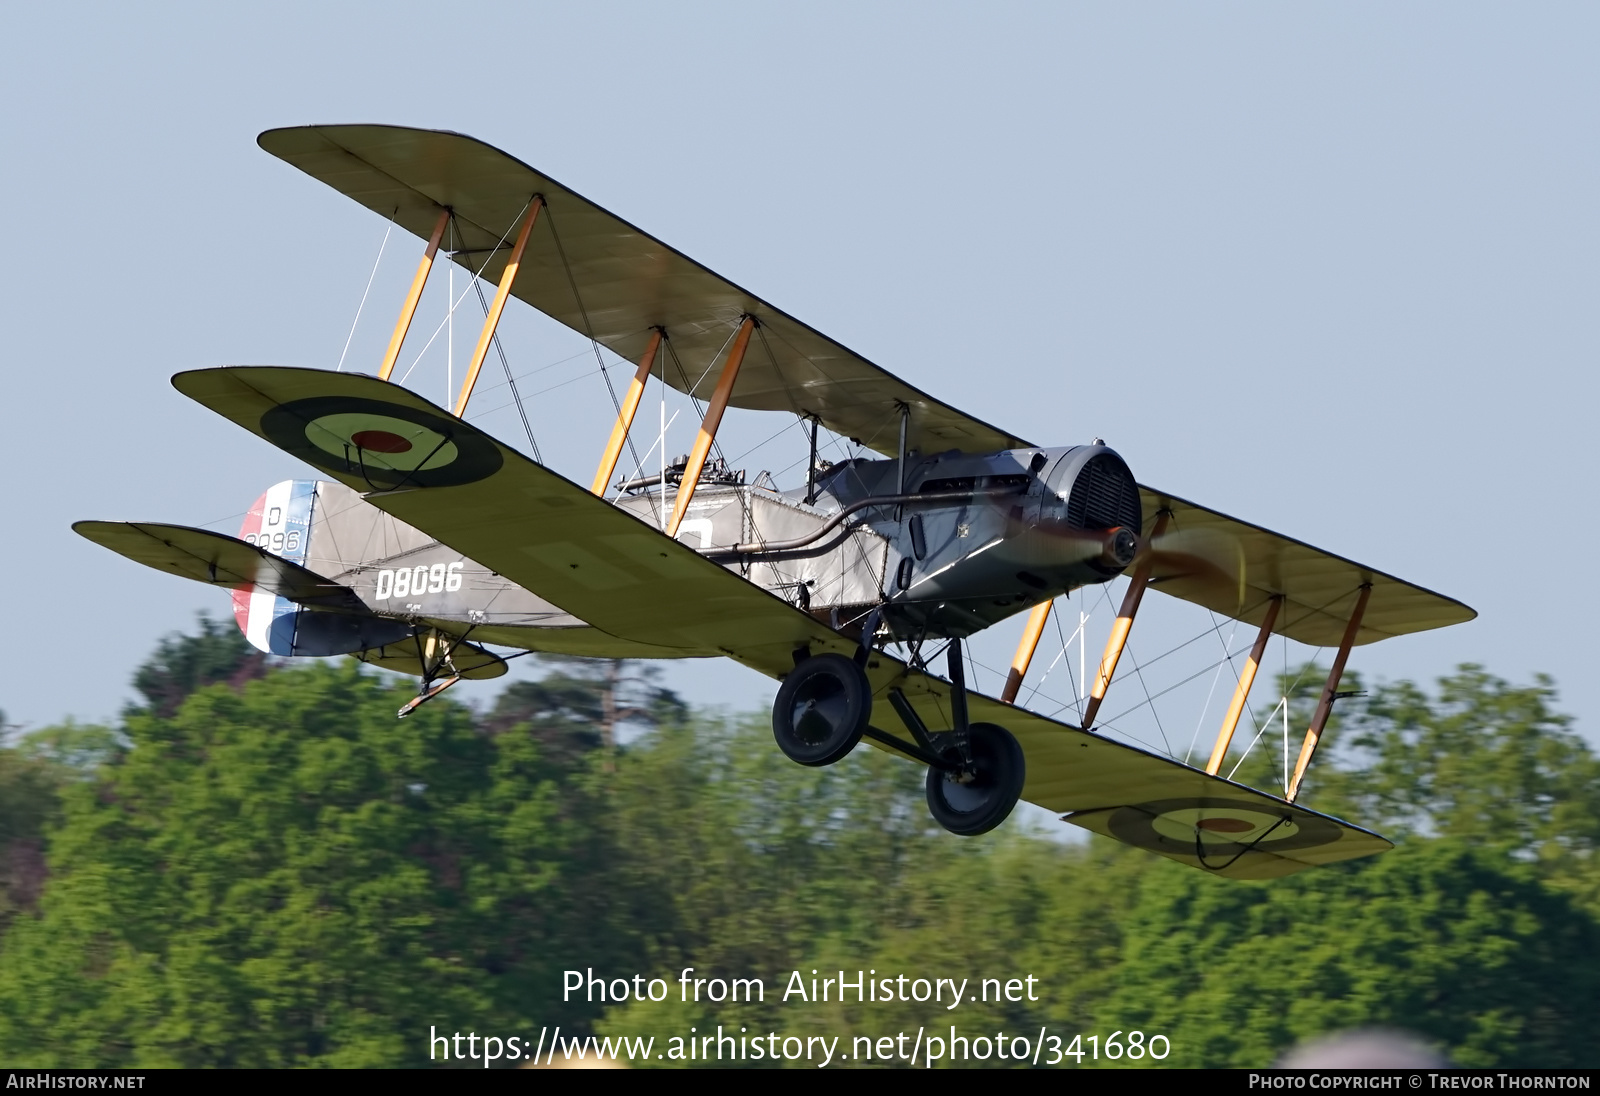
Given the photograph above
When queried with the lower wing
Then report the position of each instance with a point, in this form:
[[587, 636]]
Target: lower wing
[[626, 578]]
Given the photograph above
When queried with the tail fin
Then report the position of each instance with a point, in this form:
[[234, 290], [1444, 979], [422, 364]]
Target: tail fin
[[280, 522]]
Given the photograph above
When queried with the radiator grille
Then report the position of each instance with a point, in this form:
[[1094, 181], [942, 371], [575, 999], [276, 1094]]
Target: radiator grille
[[1105, 496]]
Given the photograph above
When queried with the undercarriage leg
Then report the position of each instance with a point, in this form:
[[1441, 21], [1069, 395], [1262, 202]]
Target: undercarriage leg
[[978, 791], [958, 703]]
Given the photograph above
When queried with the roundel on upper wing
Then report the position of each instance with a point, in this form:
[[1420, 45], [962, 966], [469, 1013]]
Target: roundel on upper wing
[[387, 444], [1210, 826]]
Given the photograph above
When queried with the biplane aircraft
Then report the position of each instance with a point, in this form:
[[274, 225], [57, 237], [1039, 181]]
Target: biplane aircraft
[[429, 541]]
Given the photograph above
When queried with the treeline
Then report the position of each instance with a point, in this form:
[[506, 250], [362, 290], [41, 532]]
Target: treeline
[[260, 866]]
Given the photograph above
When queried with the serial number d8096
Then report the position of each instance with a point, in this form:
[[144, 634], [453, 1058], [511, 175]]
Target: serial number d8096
[[411, 581]]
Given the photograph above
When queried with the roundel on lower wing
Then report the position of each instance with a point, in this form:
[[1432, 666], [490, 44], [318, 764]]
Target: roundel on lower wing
[[1219, 827], [387, 444]]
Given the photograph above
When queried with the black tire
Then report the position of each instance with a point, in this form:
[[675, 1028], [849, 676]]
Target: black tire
[[821, 710], [987, 800]]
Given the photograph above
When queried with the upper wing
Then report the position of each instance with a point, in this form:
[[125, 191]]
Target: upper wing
[[1234, 568], [627, 579], [629, 281]]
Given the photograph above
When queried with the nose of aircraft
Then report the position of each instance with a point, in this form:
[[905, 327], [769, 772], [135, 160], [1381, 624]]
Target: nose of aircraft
[[1121, 546]]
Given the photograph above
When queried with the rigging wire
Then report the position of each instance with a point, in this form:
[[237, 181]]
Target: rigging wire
[[1066, 642], [781, 431], [1139, 673], [476, 275], [1283, 703], [638, 467], [588, 328], [515, 398], [531, 395], [688, 389], [366, 291], [1195, 737], [1212, 666]]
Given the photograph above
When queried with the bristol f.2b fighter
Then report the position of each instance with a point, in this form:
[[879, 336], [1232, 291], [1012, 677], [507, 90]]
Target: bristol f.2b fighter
[[431, 542]]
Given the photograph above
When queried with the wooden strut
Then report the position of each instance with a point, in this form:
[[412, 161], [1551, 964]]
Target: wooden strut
[[1319, 720], [409, 309], [1241, 692], [811, 467], [708, 428], [492, 320], [1025, 649], [1124, 623], [630, 406]]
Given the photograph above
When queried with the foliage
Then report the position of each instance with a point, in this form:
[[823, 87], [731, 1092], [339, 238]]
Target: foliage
[[1484, 760], [1437, 937], [580, 703], [260, 866], [287, 874], [29, 804], [183, 663]]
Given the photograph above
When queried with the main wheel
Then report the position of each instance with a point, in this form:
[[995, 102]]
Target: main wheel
[[990, 790], [822, 710]]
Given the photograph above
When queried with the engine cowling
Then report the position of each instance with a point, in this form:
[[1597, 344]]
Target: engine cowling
[[1090, 490]]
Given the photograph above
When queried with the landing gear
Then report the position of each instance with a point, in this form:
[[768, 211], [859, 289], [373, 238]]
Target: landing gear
[[978, 795], [822, 710], [975, 772], [435, 658], [981, 780], [429, 691]]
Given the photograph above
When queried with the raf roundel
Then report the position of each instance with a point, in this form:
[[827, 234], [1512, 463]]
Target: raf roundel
[[1213, 827], [386, 444]]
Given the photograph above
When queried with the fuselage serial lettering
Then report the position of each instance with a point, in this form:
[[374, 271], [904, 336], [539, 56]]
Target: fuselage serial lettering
[[410, 581]]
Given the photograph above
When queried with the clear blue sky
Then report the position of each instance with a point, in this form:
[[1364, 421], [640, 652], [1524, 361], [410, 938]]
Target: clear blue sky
[[1329, 267]]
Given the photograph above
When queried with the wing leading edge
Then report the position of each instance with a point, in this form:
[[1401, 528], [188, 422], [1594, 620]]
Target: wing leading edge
[[631, 581], [629, 281], [1234, 568]]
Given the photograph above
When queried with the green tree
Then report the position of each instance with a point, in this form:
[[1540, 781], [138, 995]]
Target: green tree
[[1483, 759], [32, 774], [1439, 937], [580, 703], [183, 663], [29, 804], [286, 874]]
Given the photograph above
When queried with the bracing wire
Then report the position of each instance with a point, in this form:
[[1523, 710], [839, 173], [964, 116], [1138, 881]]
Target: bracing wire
[[588, 328], [688, 389], [504, 364], [1066, 642], [1283, 703], [638, 467], [1150, 700], [476, 275], [364, 293], [1228, 661]]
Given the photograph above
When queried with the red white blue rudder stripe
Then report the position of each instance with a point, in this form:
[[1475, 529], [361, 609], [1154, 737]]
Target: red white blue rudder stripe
[[279, 522]]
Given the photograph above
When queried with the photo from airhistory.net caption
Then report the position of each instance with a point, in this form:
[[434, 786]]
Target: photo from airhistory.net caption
[[943, 1039]]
